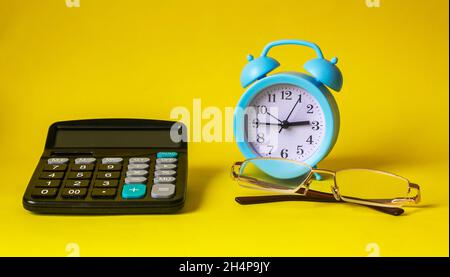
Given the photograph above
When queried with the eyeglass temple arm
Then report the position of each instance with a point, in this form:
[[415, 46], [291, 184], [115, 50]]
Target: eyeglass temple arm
[[313, 196]]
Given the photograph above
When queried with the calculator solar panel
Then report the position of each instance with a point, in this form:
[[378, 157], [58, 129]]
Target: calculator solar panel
[[110, 166]]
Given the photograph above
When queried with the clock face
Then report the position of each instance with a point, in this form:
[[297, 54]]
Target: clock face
[[285, 121]]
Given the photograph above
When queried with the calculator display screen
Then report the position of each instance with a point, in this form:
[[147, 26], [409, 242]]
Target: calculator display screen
[[114, 139]]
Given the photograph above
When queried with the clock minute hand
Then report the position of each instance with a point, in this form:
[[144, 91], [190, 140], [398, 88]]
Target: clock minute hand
[[289, 115]]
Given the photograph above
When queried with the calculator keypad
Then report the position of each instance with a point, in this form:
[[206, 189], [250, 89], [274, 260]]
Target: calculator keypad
[[118, 178]]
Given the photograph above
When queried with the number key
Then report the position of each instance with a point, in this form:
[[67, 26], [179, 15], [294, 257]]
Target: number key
[[106, 183], [80, 175], [108, 175], [110, 167], [83, 167], [47, 183], [55, 167], [74, 193], [51, 175], [77, 183], [44, 193]]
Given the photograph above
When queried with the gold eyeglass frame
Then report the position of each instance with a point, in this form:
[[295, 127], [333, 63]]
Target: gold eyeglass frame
[[303, 188]]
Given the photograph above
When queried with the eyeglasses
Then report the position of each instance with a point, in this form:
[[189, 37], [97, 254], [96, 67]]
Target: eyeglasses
[[382, 191]]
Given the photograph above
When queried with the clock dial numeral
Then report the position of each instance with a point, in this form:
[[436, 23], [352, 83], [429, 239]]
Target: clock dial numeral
[[260, 138], [261, 109], [300, 150], [270, 147], [255, 123], [293, 110], [286, 95], [284, 153], [315, 125]]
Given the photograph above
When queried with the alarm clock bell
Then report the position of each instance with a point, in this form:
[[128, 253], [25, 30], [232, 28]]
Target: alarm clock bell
[[323, 70]]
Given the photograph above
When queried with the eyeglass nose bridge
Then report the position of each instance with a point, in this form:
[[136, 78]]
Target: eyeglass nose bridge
[[304, 186]]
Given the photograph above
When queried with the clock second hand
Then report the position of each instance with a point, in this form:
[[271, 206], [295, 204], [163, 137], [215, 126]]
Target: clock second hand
[[274, 117], [289, 115]]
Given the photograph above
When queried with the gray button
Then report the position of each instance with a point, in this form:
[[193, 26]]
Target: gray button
[[165, 166], [135, 180], [84, 160], [166, 160], [159, 173], [113, 160], [163, 191], [164, 180], [137, 173], [139, 160], [137, 166], [57, 160]]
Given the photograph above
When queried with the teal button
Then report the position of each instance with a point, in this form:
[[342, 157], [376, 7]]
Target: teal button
[[167, 155], [134, 191]]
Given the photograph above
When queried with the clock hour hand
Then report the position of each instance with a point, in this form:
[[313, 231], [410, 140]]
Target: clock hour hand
[[299, 123]]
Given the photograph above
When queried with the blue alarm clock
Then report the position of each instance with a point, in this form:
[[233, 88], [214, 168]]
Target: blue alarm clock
[[288, 115]]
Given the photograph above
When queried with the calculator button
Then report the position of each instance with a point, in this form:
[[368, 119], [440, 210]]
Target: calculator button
[[134, 191], [163, 191], [55, 167], [135, 173], [83, 167], [108, 175], [166, 155], [44, 193], [112, 160], [164, 180], [135, 180], [57, 160], [137, 166], [166, 160], [47, 183], [80, 175], [106, 183], [74, 193], [51, 175], [85, 160], [139, 160], [159, 173], [165, 166], [110, 167], [76, 184], [103, 193]]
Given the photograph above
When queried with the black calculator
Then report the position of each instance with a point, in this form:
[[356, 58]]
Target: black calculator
[[110, 166]]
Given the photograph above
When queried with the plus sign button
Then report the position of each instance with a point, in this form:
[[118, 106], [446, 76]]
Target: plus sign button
[[133, 191]]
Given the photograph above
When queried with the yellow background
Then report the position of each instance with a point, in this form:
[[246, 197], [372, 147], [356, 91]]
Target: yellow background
[[142, 58]]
